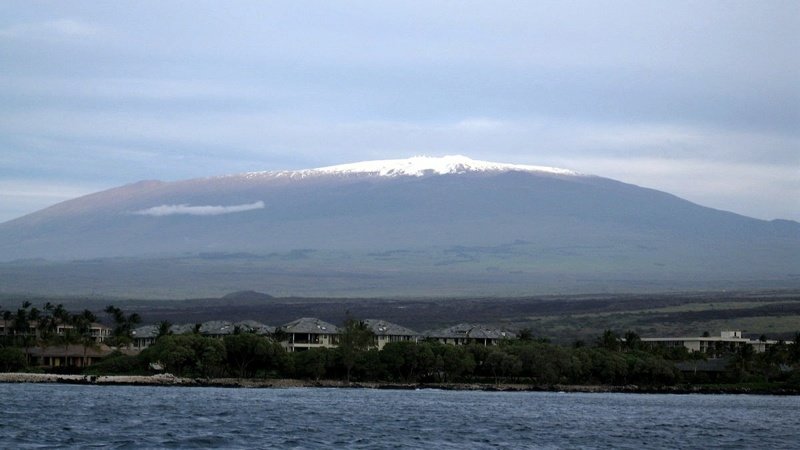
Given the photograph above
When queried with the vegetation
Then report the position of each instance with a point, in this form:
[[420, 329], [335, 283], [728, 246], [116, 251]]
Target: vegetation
[[610, 358]]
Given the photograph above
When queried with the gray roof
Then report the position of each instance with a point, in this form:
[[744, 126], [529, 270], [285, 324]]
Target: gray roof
[[182, 328], [309, 325], [384, 328], [216, 328], [213, 328], [251, 326], [147, 331], [471, 331]]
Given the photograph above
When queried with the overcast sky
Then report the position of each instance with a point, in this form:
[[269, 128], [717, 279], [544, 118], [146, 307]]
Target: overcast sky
[[700, 99]]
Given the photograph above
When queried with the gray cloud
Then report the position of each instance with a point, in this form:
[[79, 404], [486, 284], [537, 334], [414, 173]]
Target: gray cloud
[[208, 210]]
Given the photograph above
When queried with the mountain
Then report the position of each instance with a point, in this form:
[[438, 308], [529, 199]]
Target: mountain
[[437, 218]]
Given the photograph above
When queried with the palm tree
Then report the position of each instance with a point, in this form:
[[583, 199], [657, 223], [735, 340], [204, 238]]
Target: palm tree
[[123, 325], [83, 328]]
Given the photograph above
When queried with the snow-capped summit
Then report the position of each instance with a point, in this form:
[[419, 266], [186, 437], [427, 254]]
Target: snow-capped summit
[[418, 166], [424, 165]]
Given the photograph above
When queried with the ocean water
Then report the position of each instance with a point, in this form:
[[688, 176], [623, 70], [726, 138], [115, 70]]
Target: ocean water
[[74, 416]]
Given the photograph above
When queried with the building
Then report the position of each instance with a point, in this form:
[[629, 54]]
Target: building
[[251, 326], [386, 332], [217, 328], [72, 356], [713, 346], [306, 333], [466, 333], [146, 336], [97, 331]]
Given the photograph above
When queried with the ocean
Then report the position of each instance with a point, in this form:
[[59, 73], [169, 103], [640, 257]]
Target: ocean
[[80, 416]]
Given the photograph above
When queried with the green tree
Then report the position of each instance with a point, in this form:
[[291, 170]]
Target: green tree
[[121, 335], [632, 341], [247, 353], [12, 359], [609, 341], [354, 339], [82, 324], [164, 328], [312, 363], [187, 354]]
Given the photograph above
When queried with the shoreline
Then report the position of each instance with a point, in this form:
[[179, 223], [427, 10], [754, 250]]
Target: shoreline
[[170, 380]]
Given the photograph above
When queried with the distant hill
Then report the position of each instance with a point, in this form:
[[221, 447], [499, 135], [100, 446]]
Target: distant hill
[[409, 226], [247, 296]]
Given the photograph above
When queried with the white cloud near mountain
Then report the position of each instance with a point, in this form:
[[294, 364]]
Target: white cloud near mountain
[[206, 210]]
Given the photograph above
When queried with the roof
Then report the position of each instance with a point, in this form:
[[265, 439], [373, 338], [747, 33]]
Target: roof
[[70, 350], [251, 326], [147, 331], [182, 328], [384, 328], [471, 331], [217, 327], [309, 325]]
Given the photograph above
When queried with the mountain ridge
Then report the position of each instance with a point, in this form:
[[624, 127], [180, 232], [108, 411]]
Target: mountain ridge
[[438, 227]]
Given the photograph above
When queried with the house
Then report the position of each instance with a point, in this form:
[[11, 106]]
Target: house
[[217, 328], [713, 346], [386, 332], [308, 332], [73, 355], [7, 328], [466, 333], [97, 331], [144, 337], [251, 326]]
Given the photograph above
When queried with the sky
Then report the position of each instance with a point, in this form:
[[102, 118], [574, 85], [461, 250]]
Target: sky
[[700, 99]]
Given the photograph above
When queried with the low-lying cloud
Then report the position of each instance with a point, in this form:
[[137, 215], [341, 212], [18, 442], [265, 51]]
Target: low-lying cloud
[[206, 210]]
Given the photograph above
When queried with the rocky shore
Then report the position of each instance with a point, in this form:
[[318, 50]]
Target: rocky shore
[[171, 380]]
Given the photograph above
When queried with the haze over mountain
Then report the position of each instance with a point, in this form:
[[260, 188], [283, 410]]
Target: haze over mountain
[[445, 217]]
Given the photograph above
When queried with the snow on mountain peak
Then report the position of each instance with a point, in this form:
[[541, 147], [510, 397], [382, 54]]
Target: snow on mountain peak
[[419, 166]]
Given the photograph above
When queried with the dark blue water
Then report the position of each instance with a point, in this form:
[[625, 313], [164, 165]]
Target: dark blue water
[[35, 415]]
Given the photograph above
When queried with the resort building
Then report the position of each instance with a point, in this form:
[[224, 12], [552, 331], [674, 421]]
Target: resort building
[[713, 346], [97, 331], [146, 336], [308, 332], [70, 356], [466, 333], [251, 326], [386, 332]]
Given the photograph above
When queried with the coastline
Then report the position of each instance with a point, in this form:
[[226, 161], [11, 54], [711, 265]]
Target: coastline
[[170, 380]]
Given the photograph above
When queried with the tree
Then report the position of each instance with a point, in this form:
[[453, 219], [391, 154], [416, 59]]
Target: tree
[[354, 338], [123, 325], [609, 341], [82, 324], [12, 359], [164, 328], [187, 354], [312, 363], [525, 335], [247, 353], [632, 340]]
